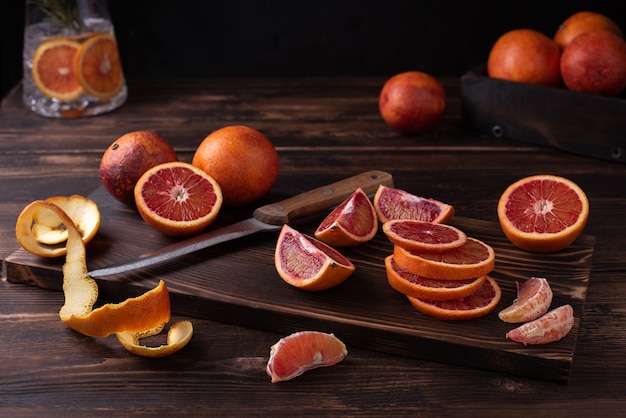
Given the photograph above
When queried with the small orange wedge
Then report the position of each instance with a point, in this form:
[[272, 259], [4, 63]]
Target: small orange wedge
[[391, 203]]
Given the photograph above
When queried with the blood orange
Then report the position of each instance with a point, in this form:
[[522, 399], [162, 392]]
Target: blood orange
[[476, 305], [419, 287], [470, 260], [423, 236], [177, 198], [391, 203], [549, 328], [534, 297], [99, 67], [351, 223], [302, 351], [307, 263], [543, 213], [53, 69]]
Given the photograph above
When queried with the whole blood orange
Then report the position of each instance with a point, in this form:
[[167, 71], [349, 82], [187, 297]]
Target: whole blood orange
[[53, 69], [526, 56], [305, 350], [391, 203], [307, 263], [543, 213], [177, 198], [581, 22], [595, 62], [351, 223], [126, 159], [242, 160], [412, 102]]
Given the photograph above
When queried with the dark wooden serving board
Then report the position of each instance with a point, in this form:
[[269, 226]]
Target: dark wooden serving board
[[236, 282]]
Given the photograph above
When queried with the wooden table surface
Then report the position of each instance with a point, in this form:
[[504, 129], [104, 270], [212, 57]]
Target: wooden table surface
[[324, 129]]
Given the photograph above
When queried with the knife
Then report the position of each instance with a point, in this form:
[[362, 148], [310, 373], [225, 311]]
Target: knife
[[270, 217]]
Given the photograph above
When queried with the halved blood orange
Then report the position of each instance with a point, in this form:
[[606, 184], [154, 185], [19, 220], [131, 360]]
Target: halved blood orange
[[307, 263], [543, 213], [419, 287], [470, 260], [351, 223], [99, 67], [534, 297], [302, 351], [391, 203], [53, 69], [548, 328], [476, 305], [177, 198], [423, 236]]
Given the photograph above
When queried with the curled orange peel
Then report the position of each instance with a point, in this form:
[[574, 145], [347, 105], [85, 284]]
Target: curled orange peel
[[131, 319]]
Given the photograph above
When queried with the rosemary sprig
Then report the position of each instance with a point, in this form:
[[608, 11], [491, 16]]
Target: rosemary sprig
[[60, 12]]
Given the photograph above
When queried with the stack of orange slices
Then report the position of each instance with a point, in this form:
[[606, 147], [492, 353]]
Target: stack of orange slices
[[64, 68], [442, 271]]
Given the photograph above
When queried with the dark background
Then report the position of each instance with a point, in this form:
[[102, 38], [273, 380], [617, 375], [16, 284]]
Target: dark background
[[198, 38]]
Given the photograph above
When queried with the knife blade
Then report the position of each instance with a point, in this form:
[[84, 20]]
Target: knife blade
[[265, 218]]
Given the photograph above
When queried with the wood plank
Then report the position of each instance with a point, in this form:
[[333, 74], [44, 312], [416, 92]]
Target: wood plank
[[236, 283]]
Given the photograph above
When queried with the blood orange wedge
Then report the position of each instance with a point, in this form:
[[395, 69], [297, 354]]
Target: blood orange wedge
[[429, 289], [351, 223], [470, 260], [423, 236], [391, 203], [534, 297], [474, 306], [53, 69], [307, 263], [99, 67], [548, 328], [543, 213], [177, 198], [302, 351]]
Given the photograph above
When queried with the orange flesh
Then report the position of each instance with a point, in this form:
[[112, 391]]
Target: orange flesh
[[53, 71], [398, 204], [357, 222]]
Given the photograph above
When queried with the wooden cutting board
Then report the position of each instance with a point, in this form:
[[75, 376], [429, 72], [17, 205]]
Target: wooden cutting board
[[236, 282]]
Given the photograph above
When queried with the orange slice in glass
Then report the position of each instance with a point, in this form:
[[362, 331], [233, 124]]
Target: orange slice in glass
[[54, 71], [99, 67]]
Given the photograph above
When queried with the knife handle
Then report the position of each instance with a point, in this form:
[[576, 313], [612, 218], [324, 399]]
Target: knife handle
[[312, 202]]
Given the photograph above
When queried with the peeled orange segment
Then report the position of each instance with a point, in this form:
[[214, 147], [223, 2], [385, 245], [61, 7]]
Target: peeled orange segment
[[99, 67], [470, 260], [177, 198], [302, 351], [543, 213], [391, 203], [548, 328], [48, 228], [423, 236], [307, 263], [351, 223], [474, 306], [53, 69], [534, 297], [419, 287], [178, 336], [41, 231]]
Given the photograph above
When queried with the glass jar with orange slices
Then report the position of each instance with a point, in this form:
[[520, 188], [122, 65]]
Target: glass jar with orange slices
[[71, 62]]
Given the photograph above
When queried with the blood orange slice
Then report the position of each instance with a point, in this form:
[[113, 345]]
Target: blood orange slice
[[470, 260], [548, 328], [391, 203], [177, 198], [99, 67], [474, 306], [302, 351], [307, 263], [423, 236], [534, 297], [53, 69], [429, 289], [351, 223], [543, 213]]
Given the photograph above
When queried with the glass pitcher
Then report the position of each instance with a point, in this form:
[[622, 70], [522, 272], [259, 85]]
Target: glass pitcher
[[71, 61]]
